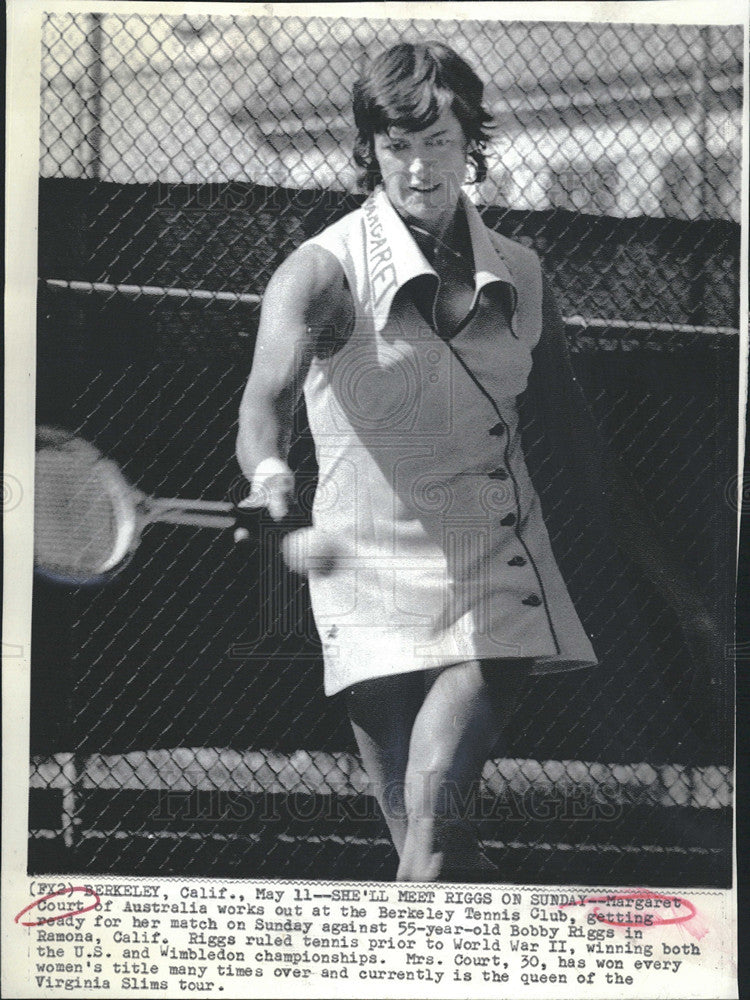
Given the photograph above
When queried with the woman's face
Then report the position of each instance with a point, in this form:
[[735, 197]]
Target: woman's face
[[423, 171]]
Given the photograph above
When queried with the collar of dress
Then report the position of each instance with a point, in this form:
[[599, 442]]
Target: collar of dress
[[394, 257]]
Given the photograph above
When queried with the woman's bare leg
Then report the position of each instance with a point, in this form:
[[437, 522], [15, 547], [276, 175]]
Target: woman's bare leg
[[382, 713], [464, 712]]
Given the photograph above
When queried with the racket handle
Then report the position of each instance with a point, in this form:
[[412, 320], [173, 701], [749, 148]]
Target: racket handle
[[247, 522], [292, 536], [253, 522]]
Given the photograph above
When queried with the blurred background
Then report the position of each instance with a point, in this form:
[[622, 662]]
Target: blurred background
[[178, 720]]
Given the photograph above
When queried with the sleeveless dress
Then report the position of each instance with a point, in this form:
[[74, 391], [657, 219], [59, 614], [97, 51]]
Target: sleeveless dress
[[422, 485]]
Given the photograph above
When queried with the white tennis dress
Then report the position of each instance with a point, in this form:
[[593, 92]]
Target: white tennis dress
[[422, 481]]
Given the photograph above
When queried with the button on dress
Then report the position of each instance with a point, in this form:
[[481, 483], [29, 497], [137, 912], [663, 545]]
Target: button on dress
[[422, 486]]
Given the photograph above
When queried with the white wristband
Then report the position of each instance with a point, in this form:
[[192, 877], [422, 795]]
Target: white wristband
[[266, 471], [270, 467]]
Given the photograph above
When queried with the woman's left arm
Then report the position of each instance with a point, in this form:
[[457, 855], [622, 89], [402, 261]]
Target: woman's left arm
[[568, 424], [609, 492]]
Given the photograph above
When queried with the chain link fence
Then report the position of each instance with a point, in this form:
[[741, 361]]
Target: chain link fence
[[178, 720]]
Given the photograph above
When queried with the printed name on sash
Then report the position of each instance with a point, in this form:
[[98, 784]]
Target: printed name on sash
[[382, 270]]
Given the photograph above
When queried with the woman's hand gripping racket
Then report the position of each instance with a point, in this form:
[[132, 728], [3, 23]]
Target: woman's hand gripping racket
[[88, 519], [305, 550]]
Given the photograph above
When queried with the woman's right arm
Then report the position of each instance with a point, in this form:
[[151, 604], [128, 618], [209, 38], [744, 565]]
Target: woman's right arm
[[303, 297]]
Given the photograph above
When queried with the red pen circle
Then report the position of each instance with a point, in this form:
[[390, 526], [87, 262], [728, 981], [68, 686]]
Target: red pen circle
[[620, 897], [60, 916]]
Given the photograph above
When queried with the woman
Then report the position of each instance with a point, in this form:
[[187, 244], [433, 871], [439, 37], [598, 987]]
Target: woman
[[412, 330]]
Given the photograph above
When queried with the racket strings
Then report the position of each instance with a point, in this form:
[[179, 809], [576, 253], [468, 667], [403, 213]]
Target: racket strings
[[87, 516], [79, 524]]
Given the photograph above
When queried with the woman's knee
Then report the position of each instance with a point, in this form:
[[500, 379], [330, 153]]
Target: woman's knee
[[430, 753], [452, 736], [456, 722], [424, 786], [441, 777]]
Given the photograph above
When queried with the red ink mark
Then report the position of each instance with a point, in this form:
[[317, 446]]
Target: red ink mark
[[59, 916], [651, 917]]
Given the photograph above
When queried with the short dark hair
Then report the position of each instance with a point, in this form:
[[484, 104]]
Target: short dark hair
[[409, 86]]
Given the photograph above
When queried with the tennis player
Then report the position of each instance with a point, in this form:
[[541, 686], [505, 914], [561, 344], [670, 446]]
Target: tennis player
[[412, 330]]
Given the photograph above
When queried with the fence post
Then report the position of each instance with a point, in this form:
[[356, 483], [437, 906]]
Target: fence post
[[70, 770], [96, 41]]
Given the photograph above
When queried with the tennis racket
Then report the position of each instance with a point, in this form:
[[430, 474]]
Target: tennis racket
[[88, 518]]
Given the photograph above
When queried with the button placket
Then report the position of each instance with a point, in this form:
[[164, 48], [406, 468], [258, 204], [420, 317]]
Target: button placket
[[499, 430]]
